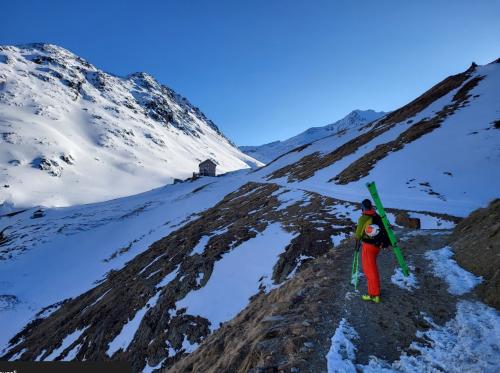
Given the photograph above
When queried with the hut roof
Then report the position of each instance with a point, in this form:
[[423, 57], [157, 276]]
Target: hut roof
[[207, 161]]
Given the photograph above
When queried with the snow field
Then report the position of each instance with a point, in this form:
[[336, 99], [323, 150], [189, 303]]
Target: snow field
[[235, 277]]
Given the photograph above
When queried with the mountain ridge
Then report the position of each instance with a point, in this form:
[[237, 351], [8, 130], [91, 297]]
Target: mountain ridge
[[270, 151]]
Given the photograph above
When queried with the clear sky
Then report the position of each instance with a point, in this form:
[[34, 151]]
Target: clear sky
[[265, 70]]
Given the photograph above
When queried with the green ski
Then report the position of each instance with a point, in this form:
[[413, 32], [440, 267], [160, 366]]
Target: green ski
[[394, 242], [355, 267]]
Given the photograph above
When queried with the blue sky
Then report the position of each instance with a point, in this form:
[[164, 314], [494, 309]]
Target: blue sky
[[265, 70]]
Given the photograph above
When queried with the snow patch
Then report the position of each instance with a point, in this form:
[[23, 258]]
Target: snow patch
[[342, 353], [409, 282], [458, 279], [470, 342], [67, 341], [338, 238], [149, 369], [235, 277], [432, 222], [188, 346], [200, 247], [123, 339], [168, 278]]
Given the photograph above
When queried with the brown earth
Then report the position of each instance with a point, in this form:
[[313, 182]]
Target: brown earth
[[363, 165], [476, 242], [289, 329], [308, 165]]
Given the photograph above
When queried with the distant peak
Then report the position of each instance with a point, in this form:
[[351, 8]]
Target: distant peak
[[143, 79]]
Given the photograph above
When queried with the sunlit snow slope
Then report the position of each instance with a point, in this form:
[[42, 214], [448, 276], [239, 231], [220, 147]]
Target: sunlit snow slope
[[71, 133]]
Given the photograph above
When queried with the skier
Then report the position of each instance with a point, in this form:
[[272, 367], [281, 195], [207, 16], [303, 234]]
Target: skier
[[371, 232]]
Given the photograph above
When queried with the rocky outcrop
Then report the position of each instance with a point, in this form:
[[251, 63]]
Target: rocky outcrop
[[476, 242], [404, 220]]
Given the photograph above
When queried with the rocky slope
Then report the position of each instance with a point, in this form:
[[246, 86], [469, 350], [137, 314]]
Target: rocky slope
[[476, 241], [289, 329], [355, 119], [158, 295], [73, 130]]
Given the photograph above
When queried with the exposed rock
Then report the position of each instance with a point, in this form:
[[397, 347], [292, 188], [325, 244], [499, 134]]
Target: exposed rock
[[15, 162], [476, 242], [68, 158], [50, 165], [38, 214], [404, 220]]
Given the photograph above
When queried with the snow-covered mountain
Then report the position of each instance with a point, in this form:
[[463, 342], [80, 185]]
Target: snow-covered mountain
[[71, 133], [250, 271], [268, 152]]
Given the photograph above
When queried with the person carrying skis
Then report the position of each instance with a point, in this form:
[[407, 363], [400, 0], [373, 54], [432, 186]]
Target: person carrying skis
[[371, 232]]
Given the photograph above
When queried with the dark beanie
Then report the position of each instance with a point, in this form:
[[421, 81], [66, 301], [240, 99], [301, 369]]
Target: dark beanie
[[366, 204]]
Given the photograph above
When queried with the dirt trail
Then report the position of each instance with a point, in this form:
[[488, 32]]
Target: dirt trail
[[289, 329], [387, 328]]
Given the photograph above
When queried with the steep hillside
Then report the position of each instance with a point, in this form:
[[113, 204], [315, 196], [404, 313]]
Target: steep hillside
[[149, 284], [68, 131], [439, 152], [476, 241], [316, 322], [355, 119]]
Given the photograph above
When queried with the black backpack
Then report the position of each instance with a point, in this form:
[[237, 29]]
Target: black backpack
[[382, 238]]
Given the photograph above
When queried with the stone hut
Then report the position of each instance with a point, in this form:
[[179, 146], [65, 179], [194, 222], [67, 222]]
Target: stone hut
[[207, 168]]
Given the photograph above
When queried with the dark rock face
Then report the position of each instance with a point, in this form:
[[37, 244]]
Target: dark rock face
[[51, 166], [68, 158]]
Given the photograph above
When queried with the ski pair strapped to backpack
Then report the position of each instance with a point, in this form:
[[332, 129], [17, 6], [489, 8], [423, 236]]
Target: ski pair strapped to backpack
[[394, 242]]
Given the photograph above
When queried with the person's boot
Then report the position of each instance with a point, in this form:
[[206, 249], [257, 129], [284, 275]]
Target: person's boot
[[375, 299]]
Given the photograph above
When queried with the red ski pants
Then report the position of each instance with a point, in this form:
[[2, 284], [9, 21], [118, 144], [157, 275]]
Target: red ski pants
[[369, 259]]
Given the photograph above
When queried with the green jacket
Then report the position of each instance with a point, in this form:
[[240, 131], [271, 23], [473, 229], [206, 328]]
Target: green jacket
[[363, 222]]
